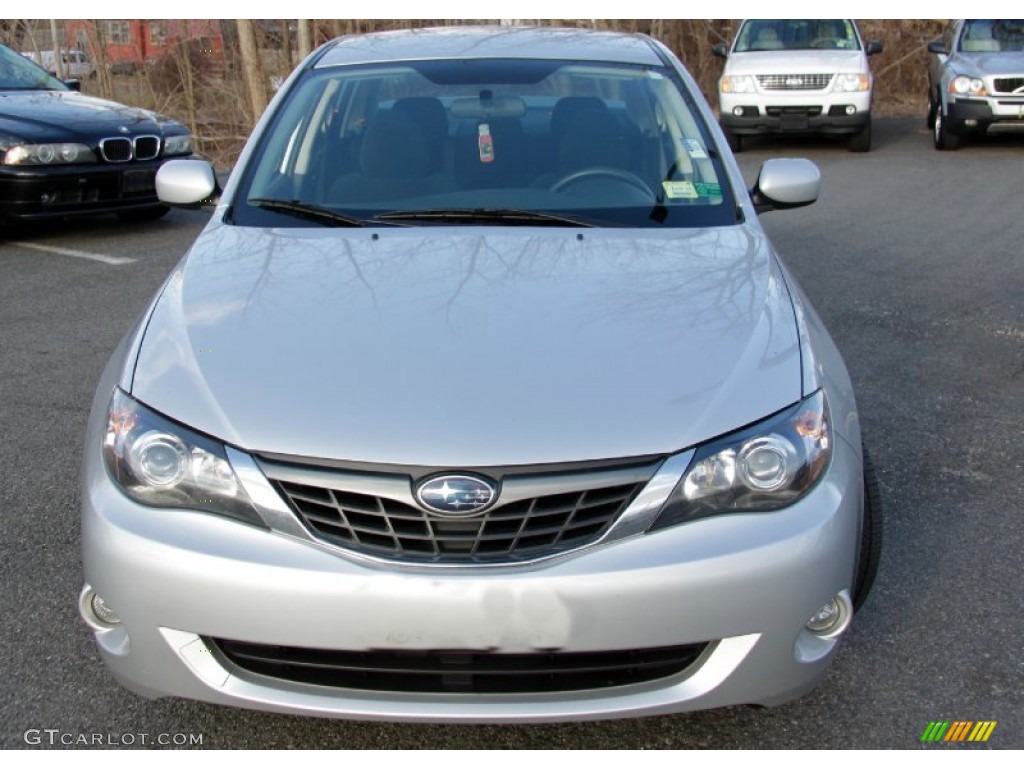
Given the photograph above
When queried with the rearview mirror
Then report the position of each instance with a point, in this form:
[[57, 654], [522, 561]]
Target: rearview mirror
[[786, 183], [187, 183]]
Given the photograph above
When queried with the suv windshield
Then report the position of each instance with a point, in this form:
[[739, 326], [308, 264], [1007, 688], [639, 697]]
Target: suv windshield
[[19, 74], [486, 141], [992, 36], [796, 35]]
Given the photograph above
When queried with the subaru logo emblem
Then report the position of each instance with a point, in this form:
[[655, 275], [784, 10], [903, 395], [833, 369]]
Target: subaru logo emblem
[[456, 495]]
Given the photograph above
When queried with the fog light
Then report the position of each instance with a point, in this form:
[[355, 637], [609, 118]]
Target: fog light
[[104, 612], [850, 109], [48, 197], [970, 122], [738, 111], [827, 618]]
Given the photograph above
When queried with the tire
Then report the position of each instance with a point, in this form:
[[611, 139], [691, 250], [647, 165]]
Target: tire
[[735, 141], [861, 141], [144, 214], [942, 138], [870, 549], [932, 110]]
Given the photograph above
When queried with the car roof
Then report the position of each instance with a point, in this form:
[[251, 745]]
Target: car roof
[[490, 43]]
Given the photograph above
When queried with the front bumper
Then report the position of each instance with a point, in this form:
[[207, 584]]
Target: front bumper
[[967, 114], [35, 192], [745, 583], [795, 112]]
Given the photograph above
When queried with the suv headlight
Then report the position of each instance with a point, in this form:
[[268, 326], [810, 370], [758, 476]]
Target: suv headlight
[[178, 145], [162, 464], [736, 84], [847, 83], [49, 154], [761, 468], [967, 86]]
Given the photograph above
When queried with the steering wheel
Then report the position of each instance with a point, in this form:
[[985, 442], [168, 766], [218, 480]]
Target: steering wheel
[[617, 174]]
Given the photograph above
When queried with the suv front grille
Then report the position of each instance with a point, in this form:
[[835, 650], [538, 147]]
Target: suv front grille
[[452, 671], [794, 82], [1008, 84], [519, 530]]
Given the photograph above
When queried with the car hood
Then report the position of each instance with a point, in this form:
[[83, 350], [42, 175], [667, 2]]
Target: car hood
[[67, 115], [471, 346], [1010, 63], [818, 61]]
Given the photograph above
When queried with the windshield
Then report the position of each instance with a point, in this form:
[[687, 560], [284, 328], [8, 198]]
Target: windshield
[[992, 36], [796, 35], [487, 141], [19, 74]]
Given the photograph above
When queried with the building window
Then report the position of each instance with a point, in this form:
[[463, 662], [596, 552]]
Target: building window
[[157, 33], [117, 32]]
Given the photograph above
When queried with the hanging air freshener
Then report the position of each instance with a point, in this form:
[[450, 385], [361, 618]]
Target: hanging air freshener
[[486, 143]]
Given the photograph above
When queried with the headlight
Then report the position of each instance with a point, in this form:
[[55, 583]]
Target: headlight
[[967, 86], [758, 469], [736, 84], [178, 145], [162, 464], [844, 83], [48, 154]]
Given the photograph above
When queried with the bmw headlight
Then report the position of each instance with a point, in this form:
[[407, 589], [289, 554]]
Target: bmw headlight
[[846, 83], [49, 154], [178, 145], [162, 464], [737, 84], [967, 86], [761, 468]]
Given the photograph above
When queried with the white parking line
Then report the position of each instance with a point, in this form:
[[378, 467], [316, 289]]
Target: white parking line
[[114, 260]]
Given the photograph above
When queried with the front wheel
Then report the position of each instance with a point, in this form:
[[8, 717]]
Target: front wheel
[[941, 136], [870, 549], [861, 141], [933, 109]]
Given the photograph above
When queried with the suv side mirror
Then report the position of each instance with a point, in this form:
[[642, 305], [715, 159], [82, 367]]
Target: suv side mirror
[[721, 51], [937, 46], [872, 47], [786, 183]]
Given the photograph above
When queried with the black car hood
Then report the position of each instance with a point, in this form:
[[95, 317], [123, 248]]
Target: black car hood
[[68, 116]]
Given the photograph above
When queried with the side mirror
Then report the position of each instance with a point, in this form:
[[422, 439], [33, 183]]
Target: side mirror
[[74, 85], [187, 184], [937, 46], [786, 183], [721, 51], [872, 47]]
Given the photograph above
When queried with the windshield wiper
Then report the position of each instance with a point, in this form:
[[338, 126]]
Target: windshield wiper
[[513, 216], [309, 211]]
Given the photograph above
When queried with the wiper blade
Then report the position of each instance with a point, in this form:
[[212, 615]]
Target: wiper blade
[[309, 211], [512, 216]]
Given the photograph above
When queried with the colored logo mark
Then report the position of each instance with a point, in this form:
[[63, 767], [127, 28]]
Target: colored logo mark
[[958, 730]]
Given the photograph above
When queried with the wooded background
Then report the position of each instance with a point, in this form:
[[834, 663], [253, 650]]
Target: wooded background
[[220, 96]]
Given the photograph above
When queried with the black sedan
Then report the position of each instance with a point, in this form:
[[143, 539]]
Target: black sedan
[[64, 154]]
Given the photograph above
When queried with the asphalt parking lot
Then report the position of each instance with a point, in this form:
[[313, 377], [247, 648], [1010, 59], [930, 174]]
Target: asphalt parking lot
[[914, 260]]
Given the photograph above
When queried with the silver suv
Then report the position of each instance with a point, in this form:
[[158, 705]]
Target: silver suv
[[976, 80], [797, 76]]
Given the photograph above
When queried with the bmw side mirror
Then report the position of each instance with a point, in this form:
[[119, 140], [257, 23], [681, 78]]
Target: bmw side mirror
[[937, 46], [721, 51], [786, 183], [872, 47], [187, 184], [74, 85]]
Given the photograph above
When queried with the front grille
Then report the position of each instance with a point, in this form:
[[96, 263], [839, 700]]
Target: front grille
[[451, 671], [116, 150], [519, 530], [146, 147], [1008, 84], [794, 82], [793, 111]]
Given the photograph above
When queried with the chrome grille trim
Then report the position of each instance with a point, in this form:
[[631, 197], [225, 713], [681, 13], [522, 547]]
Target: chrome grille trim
[[1004, 84], [116, 149], [815, 82], [146, 147], [631, 520]]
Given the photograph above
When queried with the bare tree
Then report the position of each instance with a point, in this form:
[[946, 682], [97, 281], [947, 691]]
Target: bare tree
[[255, 80], [305, 39]]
